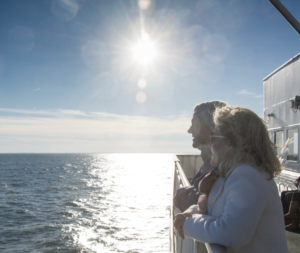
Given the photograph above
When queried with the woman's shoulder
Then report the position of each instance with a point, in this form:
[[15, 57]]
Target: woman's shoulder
[[247, 172], [252, 181]]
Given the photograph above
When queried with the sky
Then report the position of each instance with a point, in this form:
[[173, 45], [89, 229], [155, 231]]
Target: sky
[[73, 74]]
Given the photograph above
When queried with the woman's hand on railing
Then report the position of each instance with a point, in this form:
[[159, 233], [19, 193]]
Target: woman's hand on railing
[[179, 221]]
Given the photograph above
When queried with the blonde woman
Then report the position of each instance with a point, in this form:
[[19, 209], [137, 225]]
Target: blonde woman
[[244, 209]]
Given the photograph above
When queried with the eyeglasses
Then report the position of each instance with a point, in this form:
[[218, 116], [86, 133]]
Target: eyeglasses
[[213, 136]]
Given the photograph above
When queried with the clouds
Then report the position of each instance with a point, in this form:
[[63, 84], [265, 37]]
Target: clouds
[[56, 113], [77, 131], [246, 92]]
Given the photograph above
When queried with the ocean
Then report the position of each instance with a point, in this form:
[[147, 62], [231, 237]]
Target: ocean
[[85, 202]]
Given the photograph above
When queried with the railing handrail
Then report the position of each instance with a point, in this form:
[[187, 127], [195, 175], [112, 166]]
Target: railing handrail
[[185, 181]]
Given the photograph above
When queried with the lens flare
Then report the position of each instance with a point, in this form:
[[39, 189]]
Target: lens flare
[[145, 50], [141, 97], [144, 4], [142, 83]]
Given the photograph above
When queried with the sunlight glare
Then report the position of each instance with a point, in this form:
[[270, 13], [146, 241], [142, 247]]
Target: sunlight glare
[[142, 83], [141, 97], [144, 51], [144, 4]]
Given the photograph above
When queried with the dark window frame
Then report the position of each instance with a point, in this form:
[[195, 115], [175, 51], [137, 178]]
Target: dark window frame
[[287, 153]]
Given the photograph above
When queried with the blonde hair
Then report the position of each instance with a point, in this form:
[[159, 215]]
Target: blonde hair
[[249, 139]]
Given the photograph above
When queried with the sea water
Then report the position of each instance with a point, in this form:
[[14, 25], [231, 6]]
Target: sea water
[[85, 202]]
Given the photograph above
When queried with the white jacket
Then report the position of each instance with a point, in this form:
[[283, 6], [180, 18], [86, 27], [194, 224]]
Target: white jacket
[[245, 214]]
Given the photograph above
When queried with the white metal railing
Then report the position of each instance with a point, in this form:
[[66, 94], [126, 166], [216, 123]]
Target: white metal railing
[[285, 181], [188, 245]]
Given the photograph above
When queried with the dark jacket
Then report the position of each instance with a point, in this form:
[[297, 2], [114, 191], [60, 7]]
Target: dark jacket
[[187, 196]]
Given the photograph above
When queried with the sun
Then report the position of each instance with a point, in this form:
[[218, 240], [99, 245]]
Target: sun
[[145, 50]]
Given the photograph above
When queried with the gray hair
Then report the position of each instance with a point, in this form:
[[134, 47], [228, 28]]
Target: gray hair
[[205, 111]]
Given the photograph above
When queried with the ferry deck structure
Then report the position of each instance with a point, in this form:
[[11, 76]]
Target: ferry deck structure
[[185, 167]]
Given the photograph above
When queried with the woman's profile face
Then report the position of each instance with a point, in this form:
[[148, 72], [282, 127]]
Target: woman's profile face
[[219, 147]]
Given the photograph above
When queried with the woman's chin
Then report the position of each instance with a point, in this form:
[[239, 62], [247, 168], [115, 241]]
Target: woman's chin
[[213, 163]]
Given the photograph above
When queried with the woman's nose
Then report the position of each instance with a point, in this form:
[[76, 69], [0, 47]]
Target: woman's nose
[[190, 130]]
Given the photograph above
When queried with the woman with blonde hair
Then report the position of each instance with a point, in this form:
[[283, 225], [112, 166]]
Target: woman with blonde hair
[[244, 211]]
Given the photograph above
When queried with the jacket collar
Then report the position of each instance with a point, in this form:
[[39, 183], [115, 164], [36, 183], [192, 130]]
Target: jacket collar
[[216, 191]]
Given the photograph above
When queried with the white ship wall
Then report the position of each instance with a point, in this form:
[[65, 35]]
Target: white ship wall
[[279, 87]]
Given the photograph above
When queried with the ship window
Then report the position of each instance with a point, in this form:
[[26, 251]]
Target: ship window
[[292, 152], [271, 137], [278, 140]]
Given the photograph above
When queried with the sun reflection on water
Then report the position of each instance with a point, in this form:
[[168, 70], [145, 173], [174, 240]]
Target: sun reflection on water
[[127, 209]]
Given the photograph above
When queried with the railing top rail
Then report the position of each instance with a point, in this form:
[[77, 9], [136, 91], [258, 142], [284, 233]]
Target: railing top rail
[[183, 177]]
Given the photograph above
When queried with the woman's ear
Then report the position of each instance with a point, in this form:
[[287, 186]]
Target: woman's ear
[[228, 142], [228, 149]]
